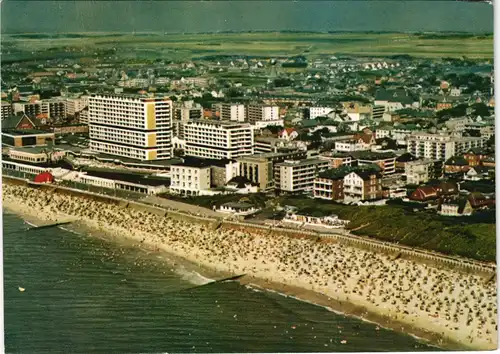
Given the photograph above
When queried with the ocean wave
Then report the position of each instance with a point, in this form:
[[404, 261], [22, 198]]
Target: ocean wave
[[254, 289], [70, 230], [192, 276], [420, 339]]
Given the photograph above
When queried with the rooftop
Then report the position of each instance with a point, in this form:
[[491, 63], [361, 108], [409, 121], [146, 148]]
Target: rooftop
[[224, 123], [130, 161], [61, 163], [372, 156], [32, 149], [341, 172], [190, 161], [304, 162], [19, 132], [146, 180]]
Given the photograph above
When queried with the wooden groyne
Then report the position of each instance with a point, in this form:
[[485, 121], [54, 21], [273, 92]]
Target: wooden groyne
[[49, 225], [233, 278]]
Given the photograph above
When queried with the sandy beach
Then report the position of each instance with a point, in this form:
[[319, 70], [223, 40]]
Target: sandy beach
[[452, 309]]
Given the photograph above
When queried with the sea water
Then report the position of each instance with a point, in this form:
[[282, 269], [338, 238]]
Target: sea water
[[89, 295]]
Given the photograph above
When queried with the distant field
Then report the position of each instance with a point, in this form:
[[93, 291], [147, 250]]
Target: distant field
[[268, 44]]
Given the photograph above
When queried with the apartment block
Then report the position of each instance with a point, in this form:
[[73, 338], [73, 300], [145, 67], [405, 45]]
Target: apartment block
[[378, 112], [130, 126], [299, 176], [417, 172], [54, 108], [234, 112], [349, 184], [83, 116], [76, 105], [261, 168], [184, 113], [7, 110], [189, 179], [386, 161], [262, 113], [440, 146], [188, 110], [315, 112], [218, 140], [30, 109]]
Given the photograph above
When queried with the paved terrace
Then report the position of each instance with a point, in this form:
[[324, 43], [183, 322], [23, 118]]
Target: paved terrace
[[183, 207]]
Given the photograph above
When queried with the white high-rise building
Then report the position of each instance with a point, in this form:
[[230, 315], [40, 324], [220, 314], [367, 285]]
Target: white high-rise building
[[133, 127], [218, 140]]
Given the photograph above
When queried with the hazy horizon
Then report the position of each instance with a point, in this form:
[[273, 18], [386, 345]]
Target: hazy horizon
[[242, 16]]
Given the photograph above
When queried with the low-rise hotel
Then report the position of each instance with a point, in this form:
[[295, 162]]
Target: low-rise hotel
[[133, 127]]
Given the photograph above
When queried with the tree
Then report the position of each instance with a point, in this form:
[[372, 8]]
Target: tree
[[481, 109]]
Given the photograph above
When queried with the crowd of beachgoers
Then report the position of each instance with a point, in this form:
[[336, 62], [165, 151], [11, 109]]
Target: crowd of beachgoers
[[456, 306]]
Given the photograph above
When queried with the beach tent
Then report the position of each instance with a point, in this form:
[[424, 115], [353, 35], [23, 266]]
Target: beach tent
[[44, 177]]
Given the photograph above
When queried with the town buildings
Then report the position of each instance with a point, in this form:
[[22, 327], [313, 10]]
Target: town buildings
[[298, 176], [7, 110], [262, 170], [262, 113], [218, 139], [232, 112], [76, 105], [184, 112], [421, 171], [440, 146], [394, 100], [132, 127], [28, 108], [315, 112], [349, 184], [189, 179]]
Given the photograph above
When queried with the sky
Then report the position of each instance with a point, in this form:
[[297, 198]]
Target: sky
[[212, 16]]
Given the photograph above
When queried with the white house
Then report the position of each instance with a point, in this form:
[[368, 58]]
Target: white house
[[237, 208]]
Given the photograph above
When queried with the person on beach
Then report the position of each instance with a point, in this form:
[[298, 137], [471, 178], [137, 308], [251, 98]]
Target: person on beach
[[435, 299]]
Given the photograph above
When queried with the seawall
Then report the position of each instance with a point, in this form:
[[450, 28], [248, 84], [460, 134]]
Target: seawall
[[487, 270]]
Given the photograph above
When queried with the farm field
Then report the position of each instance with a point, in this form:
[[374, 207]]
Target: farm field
[[265, 44]]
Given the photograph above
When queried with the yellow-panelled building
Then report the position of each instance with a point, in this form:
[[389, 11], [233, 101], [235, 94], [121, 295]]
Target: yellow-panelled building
[[131, 126]]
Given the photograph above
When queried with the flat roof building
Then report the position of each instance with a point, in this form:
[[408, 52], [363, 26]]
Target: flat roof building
[[130, 126], [440, 146], [218, 140], [298, 176]]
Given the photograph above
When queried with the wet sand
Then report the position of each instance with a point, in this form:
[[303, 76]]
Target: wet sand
[[451, 309]]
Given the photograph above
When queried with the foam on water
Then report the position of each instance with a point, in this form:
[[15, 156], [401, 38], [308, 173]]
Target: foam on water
[[192, 276]]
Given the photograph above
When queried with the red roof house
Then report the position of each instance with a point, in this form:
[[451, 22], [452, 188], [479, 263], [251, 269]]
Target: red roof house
[[425, 193]]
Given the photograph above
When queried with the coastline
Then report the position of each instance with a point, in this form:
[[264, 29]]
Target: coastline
[[335, 301], [300, 294]]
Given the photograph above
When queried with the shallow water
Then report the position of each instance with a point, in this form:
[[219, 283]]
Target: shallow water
[[89, 295]]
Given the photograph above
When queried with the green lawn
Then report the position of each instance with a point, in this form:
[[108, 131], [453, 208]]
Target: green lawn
[[468, 236]]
